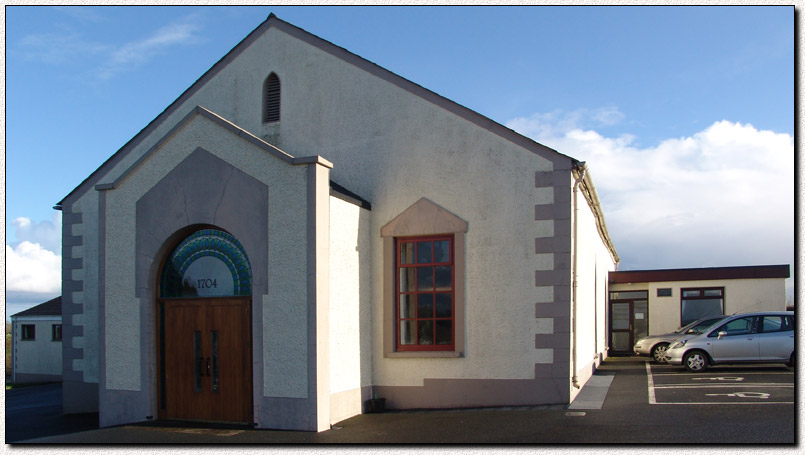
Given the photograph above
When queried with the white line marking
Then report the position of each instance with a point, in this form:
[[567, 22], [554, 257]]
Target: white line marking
[[759, 395], [789, 373], [721, 386], [652, 398], [721, 378], [710, 403]]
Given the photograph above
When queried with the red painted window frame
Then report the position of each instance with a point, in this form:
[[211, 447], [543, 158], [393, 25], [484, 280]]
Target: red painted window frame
[[399, 241]]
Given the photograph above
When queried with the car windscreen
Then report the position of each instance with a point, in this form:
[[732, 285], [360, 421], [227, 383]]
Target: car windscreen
[[700, 326], [686, 328]]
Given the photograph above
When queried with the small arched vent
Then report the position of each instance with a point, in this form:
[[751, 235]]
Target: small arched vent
[[271, 99]]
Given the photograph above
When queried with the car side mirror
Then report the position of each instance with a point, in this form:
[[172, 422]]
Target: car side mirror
[[690, 331], [721, 334]]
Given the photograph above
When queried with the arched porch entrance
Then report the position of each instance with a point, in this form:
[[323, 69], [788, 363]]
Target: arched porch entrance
[[204, 322]]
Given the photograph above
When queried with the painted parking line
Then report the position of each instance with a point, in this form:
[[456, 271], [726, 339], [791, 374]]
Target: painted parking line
[[742, 373], [652, 398], [724, 386], [720, 387]]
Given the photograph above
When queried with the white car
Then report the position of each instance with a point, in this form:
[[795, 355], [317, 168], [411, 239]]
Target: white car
[[764, 337], [655, 346]]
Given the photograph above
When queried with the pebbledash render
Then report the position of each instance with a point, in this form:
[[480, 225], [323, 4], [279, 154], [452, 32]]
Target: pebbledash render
[[303, 230]]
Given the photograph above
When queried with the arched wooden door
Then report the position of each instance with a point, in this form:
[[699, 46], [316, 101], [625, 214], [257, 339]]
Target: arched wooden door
[[204, 330]]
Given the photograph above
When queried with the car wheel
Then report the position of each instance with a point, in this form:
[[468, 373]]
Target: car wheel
[[695, 361], [791, 361], [660, 353]]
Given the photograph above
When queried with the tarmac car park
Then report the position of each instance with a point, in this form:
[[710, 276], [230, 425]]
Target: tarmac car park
[[644, 402], [757, 384]]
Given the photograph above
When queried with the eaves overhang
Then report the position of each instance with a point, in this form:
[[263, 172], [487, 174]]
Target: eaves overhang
[[701, 274]]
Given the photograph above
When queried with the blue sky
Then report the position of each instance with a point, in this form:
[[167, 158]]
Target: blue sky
[[684, 114]]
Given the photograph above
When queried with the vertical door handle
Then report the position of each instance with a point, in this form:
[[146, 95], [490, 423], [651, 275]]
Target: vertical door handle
[[208, 366]]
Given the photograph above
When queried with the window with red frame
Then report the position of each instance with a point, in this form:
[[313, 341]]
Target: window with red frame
[[425, 312]]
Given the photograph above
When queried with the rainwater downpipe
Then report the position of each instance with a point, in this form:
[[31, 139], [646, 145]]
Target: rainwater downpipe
[[582, 170]]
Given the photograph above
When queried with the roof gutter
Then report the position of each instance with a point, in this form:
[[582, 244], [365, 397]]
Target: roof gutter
[[591, 195]]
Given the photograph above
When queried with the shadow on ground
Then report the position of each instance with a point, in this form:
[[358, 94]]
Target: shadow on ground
[[35, 412]]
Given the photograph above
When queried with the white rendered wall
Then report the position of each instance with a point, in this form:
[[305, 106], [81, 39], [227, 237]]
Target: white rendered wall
[[392, 148], [740, 296], [594, 264], [41, 355], [350, 293]]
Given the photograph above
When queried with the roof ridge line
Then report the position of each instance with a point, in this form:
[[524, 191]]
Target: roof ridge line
[[339, 52]]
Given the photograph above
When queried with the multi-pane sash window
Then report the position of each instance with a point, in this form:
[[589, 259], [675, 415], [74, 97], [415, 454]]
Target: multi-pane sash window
[[425, 312]]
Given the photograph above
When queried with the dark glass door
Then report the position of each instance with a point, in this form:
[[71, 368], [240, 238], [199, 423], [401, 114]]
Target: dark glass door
[[628, 316]]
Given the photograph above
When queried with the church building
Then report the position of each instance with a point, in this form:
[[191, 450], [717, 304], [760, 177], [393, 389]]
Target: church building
[[302, 230]]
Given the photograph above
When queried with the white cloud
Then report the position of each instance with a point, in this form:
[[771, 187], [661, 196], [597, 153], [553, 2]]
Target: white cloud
[[81, 13], [557, 123], [58, 47], [68, 45], [723, 196], [31, 268], [45, 233], [136, 53], [33, 262]]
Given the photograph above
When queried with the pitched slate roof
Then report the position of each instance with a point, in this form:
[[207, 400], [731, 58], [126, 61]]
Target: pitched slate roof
[[345, 55], [49, 308]]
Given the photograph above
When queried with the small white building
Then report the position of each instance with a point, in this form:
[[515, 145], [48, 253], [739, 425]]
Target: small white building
[[37, 343], [654, 302]]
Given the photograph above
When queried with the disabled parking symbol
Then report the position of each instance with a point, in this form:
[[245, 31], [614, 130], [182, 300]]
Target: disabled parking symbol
[[759, 395], [721, 379]]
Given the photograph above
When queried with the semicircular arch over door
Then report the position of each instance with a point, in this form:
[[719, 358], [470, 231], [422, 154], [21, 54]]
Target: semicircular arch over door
[[204, 330]]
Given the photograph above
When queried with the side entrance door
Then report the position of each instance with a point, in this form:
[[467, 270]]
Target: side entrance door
[[628, 316], [205, 359]]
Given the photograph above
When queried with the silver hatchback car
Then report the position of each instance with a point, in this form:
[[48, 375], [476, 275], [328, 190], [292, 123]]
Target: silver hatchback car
[[655, 346], [764, 337]]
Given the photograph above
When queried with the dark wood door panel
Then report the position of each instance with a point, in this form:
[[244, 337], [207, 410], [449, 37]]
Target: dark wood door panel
[[229, 325], [207, 360]]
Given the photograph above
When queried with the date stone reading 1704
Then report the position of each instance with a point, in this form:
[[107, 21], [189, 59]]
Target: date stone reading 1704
[[209, 276]]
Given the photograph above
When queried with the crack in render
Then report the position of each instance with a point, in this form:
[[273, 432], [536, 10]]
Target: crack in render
[[186, 211], [223, 193]]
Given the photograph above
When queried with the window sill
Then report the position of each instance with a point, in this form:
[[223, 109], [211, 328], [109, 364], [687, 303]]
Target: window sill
[[423, 354]]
